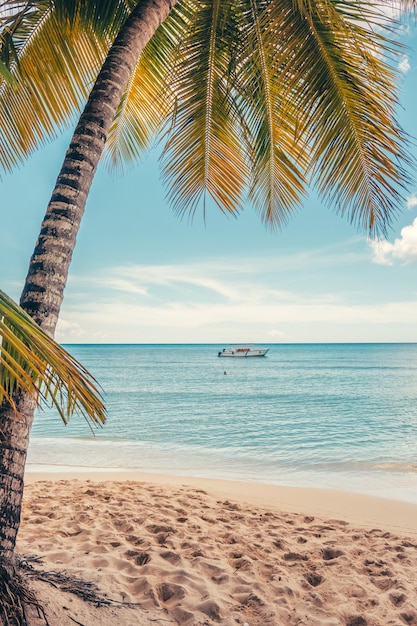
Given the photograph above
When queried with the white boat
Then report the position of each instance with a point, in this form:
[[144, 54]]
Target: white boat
[[243, 351]]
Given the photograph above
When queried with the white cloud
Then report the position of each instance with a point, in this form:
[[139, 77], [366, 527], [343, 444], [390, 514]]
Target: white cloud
[[411, 201], [224, 304], [231, 278], [404, 65], [403, 249], [199, 275], [276, 335], [311, 320], [69, 331], [121, 284], [273, 298]]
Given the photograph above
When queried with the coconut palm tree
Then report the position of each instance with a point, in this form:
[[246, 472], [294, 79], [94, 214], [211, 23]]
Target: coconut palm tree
[[53, 252], [34, 370], [255, 99], [220, 69]]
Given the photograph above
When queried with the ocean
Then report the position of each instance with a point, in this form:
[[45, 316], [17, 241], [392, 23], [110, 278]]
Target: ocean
[[338, 416]]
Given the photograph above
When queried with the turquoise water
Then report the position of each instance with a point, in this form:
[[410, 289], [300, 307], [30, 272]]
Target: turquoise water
[[328, 415]]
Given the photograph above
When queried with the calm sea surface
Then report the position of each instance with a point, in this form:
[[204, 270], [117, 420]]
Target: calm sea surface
[[328, 415]]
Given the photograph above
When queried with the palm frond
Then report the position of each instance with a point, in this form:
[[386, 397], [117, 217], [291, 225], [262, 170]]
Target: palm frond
[[103, 17], [32, 362], [278, 157], [204, 152], [148, 98], [404, 5], [6, 74], [55, 61], [335, 63]]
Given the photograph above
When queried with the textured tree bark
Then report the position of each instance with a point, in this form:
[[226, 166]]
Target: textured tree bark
[[48, 270], [14, 440]]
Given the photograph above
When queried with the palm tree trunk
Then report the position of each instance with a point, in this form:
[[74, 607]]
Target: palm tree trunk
[[48, 270], [14, 440], [43, 292]]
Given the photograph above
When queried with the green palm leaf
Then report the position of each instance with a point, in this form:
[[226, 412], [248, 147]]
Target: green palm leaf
[[32, 362], [44, 101], [260, 94], [6, 74], [204, 152], [343, 92], [278, 159], [148, 99], [102, 17]]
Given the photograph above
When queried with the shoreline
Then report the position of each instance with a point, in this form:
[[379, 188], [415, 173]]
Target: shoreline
[[381, 478], [365, 510]]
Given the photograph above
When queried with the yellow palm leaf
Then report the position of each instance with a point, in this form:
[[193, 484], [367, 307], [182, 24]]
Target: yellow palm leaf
[[56, 61], [204, 152], [148, 99], [278, 157], [331, 58], [32, 362]]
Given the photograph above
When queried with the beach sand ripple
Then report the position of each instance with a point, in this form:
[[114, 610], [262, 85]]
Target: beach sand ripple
[[179, 555]]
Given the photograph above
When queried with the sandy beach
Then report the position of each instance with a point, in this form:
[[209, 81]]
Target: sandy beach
[[136, 549]]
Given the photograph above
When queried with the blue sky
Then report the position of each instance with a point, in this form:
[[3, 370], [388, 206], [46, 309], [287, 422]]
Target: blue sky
[[141, 275]]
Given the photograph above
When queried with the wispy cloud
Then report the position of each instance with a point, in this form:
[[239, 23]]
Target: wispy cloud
[[202, 275], [211, 322], [228, 300], [222, 279], [404, 248], [411, 201], [71, 329], [122, 284], [404, 65]]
